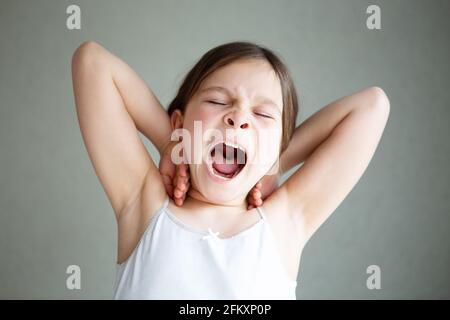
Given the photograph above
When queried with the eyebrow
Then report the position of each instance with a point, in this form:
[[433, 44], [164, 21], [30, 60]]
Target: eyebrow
[[264, 100]]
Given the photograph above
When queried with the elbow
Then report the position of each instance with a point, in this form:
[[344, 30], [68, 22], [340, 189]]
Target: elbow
[[377, 100], [86, 54]]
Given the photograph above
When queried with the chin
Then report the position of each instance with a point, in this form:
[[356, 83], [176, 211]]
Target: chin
[[219, 190]]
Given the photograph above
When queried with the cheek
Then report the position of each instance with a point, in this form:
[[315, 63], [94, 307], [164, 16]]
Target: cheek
[[204, 115], [196, 122], [269, 140], [269, 149]]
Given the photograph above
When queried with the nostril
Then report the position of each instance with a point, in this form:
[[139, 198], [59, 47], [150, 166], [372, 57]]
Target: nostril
[[230, 122], [244, 126]]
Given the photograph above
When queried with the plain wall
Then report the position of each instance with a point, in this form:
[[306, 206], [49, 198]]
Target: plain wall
[[54, 212]]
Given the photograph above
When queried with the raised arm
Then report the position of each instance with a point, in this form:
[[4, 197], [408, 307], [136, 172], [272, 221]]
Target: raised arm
[[335, 146], [113, 103]]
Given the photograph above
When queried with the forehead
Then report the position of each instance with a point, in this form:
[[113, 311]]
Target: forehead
[[252, 79]]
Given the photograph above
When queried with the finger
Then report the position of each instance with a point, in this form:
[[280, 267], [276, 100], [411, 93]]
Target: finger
[[182, 171], [258, 185], [184, 198], [258, 202], [180, 190], [183, 180], [182, 184], [178, 193], [256, 194], [178, 202], [181, 175], [186, 172]]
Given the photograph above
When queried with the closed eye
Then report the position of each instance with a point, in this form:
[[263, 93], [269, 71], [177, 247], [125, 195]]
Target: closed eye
[[215, 102], [263, 115]]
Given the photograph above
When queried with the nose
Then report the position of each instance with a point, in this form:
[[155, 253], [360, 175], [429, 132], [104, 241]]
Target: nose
[[236, 120]]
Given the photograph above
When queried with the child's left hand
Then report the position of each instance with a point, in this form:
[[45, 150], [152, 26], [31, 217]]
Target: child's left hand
[[261, 191]]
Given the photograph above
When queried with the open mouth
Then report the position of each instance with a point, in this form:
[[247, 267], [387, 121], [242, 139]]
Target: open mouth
[[228, 160]]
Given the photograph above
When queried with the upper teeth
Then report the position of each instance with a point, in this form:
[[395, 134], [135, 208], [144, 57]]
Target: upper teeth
[[233, 145]]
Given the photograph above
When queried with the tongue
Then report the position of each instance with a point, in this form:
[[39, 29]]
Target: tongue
[[223, 165], [226, 168]]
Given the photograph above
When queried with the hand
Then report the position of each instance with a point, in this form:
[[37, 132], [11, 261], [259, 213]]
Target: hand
[[181, 181], [175, 177], [261, 191]]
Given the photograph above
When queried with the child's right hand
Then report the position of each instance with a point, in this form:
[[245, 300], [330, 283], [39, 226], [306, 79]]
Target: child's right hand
[[175, 177]]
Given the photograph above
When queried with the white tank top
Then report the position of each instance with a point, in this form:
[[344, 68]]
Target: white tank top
[[174, 261]]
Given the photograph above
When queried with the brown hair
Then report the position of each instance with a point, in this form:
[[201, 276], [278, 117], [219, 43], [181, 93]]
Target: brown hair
[[227, 53]]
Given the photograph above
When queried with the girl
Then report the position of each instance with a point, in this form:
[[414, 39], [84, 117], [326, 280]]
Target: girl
[[207, 243]]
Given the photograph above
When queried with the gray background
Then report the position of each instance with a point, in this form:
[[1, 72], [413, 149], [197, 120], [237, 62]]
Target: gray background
[[54, 213]]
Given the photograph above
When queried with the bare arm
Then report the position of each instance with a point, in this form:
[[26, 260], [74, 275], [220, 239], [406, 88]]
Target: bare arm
[[113, 103], [306, 138], [338, 143]]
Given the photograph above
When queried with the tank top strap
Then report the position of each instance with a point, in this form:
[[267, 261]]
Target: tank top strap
[[165, 203], [261, 212]]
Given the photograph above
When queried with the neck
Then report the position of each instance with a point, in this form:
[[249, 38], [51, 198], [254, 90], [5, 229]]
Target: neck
[[195, 198]]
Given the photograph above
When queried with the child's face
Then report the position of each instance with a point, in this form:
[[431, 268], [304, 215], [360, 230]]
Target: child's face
[[247, 113]]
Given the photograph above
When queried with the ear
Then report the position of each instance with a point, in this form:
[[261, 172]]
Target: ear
[[176, 119]]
